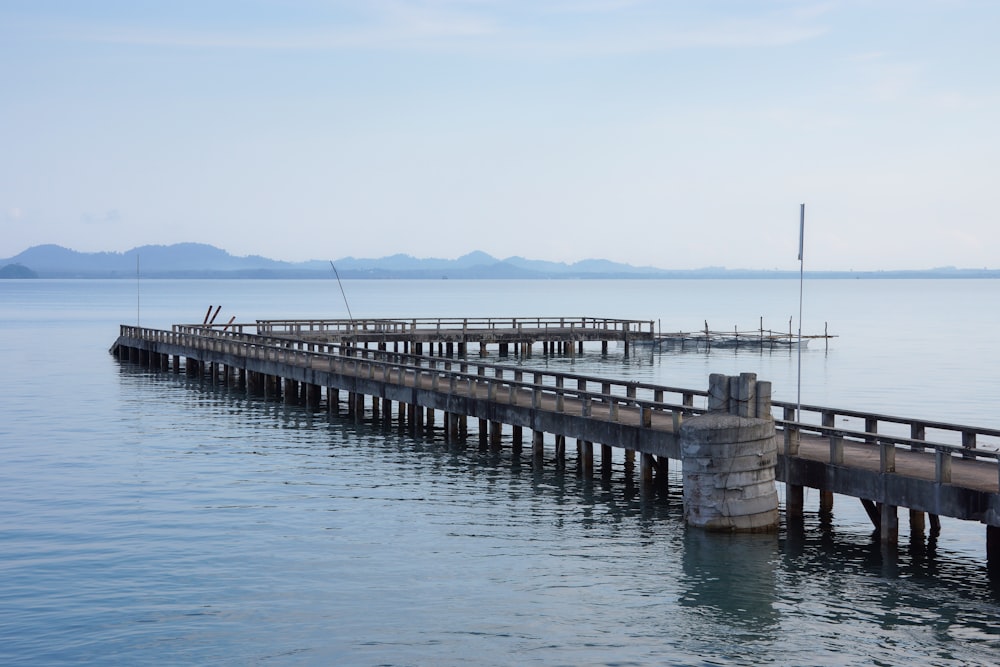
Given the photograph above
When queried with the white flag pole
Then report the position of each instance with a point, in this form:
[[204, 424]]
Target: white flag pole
[[802, 230]]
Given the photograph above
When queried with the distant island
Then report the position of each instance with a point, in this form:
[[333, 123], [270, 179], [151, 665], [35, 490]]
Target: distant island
[[197, 260]]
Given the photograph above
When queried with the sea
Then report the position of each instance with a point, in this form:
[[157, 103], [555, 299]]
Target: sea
[[148, 518]]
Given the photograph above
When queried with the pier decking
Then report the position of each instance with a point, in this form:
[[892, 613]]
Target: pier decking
[[454, 335], [888, 462]]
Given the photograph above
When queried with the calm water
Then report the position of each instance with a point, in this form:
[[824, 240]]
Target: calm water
[[148, 519]]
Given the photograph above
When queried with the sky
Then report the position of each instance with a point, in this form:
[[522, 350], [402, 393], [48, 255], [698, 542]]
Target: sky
[[664, 133]]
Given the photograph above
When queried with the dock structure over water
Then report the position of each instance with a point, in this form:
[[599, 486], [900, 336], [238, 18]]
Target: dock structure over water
[[930, 468], [558, 335]]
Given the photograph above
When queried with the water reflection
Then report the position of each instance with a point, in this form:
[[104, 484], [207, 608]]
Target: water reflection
[[731, 578]]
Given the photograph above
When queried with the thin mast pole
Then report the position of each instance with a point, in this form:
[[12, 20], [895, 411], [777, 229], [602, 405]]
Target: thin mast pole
[[137, 290], [346, 305], [802, 229]]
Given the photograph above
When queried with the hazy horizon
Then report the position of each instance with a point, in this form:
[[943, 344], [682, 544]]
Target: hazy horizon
[[559, 130]]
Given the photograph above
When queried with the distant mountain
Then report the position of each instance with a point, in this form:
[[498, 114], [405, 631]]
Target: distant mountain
[[16, 271], [197, 260]]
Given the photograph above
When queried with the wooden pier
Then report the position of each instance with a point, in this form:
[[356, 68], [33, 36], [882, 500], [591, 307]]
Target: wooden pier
[[930, 468], [558, 335]]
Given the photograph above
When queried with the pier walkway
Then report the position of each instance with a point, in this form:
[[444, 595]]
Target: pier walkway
[[888, 462], [454, 335]]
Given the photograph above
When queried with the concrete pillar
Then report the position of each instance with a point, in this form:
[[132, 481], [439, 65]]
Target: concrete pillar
[[516, 437], [560, 450], [537, 446], [606, 460], [794, 501], [728, 466], [586, 458], [993, 548], [646, 467], [889, 529], [496, 432], [484, 434], [825, 502]]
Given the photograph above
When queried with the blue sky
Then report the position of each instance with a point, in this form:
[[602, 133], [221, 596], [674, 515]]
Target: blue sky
[[653, 132]]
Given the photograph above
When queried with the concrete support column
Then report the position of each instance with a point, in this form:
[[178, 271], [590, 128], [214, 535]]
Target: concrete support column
[[646, 467], [538, 446], [484, 433], [586, 458], [794, 501], [606, 453], [889, 530], [516, 437], [496, 432], [729, 471], [629, 463], [418, 419], [993, 548], [560, 450], [825, 502]]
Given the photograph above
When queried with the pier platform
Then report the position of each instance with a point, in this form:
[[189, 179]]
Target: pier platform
[[932, 468]]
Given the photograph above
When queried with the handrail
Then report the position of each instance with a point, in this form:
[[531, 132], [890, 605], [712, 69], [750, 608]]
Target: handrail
[[616, 394]]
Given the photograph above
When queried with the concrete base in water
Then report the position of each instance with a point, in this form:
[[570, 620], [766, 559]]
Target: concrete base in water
[[728, 465]]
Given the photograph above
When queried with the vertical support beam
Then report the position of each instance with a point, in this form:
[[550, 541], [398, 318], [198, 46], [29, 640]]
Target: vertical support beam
[[560, 450], [587, 458], [993, 549], [889, 529], [496, 433], [418, 419], [484, 430], [646, 467], [516, 437], [825, 502], [794, 501], [629, 463], [916, 525], [606, 458], [538, 447]]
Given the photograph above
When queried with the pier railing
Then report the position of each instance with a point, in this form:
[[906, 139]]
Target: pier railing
[[347, 327], [582, 395]]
